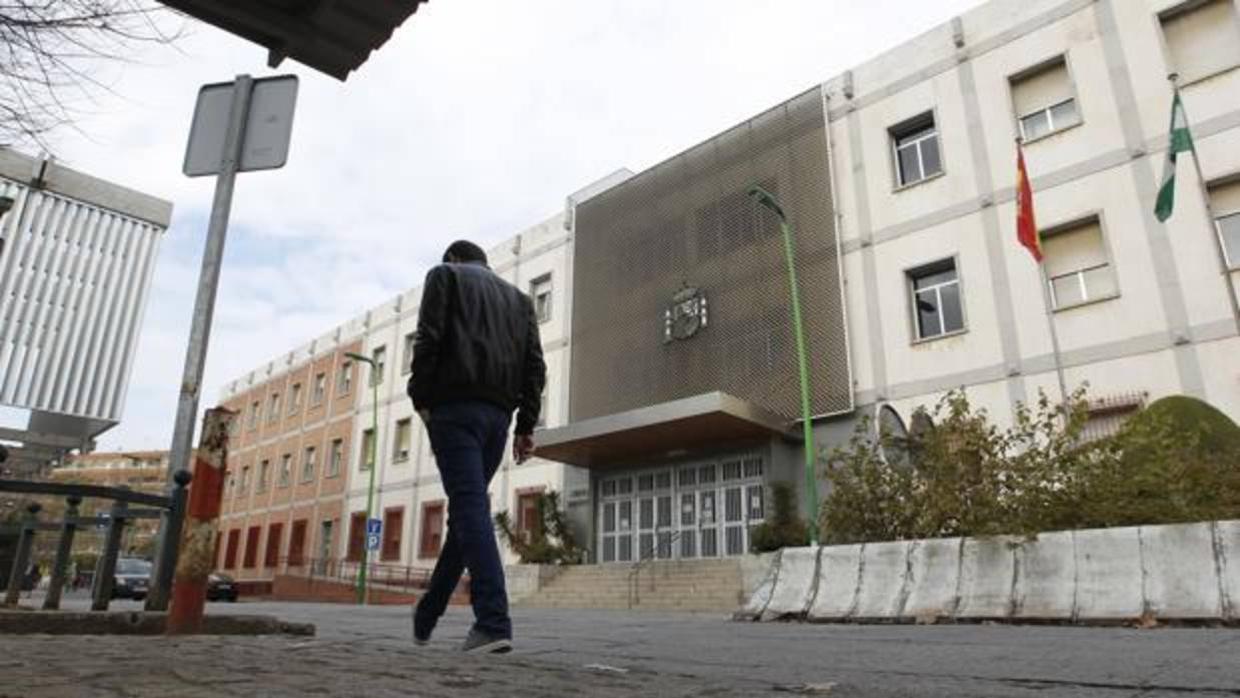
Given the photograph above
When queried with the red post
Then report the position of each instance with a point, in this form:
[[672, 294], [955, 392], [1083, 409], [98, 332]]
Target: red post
[[206, 494]]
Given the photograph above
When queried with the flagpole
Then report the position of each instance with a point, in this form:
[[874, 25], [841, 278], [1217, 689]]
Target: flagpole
[[1212, 221], [1025, 201], [1050, 322]]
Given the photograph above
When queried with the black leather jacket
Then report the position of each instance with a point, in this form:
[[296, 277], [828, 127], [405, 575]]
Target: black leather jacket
[[477, 340]]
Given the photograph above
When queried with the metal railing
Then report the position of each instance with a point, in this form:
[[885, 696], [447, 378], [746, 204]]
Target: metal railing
[[171, 507], [344, 571], [649, 555]]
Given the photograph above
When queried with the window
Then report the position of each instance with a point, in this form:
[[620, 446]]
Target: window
[[1077, 268], [308, 464], [540, 293], [936, 299], [274, 533], [542, 408], [251, 547], [297, 544], [264, 473], [294, 398], [230, 552], [528, 520], [367, 457], [245, 479], [273, 407], [432, 530], [357, 536], [402, 443], [320, 389], [1107, 415], [406, 357], [1225, 199], [344, 379], [1044, 100], [286, 470], [379, 356], [1203, 38], [393, 525], [256, 410], [915, 147], [336, 457]]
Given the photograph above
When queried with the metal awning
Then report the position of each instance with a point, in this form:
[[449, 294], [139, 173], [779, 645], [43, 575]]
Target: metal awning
[[332, 36], [668, 430]]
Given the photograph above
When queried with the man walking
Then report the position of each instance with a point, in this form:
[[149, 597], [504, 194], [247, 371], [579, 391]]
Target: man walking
[[477, 357]]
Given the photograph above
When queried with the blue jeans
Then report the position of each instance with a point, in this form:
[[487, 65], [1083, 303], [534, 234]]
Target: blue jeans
[[468, 440]]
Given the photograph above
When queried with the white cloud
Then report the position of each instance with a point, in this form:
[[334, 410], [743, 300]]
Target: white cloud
[[475, 120]]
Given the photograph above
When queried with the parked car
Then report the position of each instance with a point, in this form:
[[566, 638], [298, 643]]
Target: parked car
[[132, 579], [221, 587]]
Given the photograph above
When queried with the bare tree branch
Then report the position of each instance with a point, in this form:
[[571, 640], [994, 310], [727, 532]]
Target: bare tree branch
[[51, 52]]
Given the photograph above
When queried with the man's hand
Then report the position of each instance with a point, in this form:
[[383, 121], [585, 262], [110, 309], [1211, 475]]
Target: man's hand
[[522, 447]]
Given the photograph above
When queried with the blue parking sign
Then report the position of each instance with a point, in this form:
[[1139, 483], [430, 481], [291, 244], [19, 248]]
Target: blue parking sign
[[372, 541], [374, 527]]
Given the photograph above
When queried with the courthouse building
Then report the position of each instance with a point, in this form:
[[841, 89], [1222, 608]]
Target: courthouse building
[[673, 398]]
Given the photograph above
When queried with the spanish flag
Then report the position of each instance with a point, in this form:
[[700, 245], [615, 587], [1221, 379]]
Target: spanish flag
[[1026, 228]]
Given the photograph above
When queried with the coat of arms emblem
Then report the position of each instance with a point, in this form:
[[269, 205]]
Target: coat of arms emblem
[[686, 315]]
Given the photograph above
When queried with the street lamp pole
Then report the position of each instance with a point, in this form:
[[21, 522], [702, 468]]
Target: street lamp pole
[[768, 200], [370, 488]]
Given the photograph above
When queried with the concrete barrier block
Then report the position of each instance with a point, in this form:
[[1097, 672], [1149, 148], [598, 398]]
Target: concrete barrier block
[[839, 578], [935, 566], [1227, 535], [1046, 577], [1181, 579], [1108, 574], [794, 585], [760, 595], [986, 575], [884, 580]]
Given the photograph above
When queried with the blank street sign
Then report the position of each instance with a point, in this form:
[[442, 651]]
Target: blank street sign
[[268, 129]]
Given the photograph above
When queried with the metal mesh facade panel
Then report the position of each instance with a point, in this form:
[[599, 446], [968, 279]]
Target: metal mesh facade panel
[[74, 278], [689, 223]]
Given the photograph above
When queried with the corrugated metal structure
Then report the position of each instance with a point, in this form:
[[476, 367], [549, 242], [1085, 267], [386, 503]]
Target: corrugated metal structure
[[75, 273], [680, 283], [332, 37]]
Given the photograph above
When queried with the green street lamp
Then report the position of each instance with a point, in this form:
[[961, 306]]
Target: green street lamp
[[370, 488], [768, 200]]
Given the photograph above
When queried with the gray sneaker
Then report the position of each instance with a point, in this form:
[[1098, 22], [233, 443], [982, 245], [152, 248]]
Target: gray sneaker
[[479, 642]]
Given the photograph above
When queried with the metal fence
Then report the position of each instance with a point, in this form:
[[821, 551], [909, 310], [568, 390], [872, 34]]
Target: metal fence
[[120, 515]]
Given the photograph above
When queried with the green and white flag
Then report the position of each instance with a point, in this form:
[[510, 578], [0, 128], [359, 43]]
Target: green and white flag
[[1181, 140]]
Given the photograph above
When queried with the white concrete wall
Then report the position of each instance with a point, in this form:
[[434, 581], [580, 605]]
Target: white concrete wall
[[1185, 572]]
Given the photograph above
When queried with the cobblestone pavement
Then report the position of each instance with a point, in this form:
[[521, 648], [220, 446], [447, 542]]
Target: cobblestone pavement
[[366, 651], [219, 667]]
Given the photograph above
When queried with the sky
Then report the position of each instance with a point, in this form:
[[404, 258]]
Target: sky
[[475, 120]]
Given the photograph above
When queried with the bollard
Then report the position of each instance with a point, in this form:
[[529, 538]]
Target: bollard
[[197, 553], [61, 566], [105, 571], [21, 561], [166, 556]]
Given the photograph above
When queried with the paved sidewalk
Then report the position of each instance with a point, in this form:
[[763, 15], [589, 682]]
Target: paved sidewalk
[[42, 666]]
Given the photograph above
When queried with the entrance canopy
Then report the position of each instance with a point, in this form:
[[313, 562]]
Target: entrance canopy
[[668, 430], [333, 37]]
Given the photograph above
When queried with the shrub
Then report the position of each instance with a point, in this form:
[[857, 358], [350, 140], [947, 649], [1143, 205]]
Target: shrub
[[784, 529], [550, 542], [1176, 461]]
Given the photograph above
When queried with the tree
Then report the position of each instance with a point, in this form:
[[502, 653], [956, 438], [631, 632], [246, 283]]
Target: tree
[[549, 541], [51, 56]]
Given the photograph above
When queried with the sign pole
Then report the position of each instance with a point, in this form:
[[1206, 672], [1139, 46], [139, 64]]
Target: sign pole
[[200, 329]]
